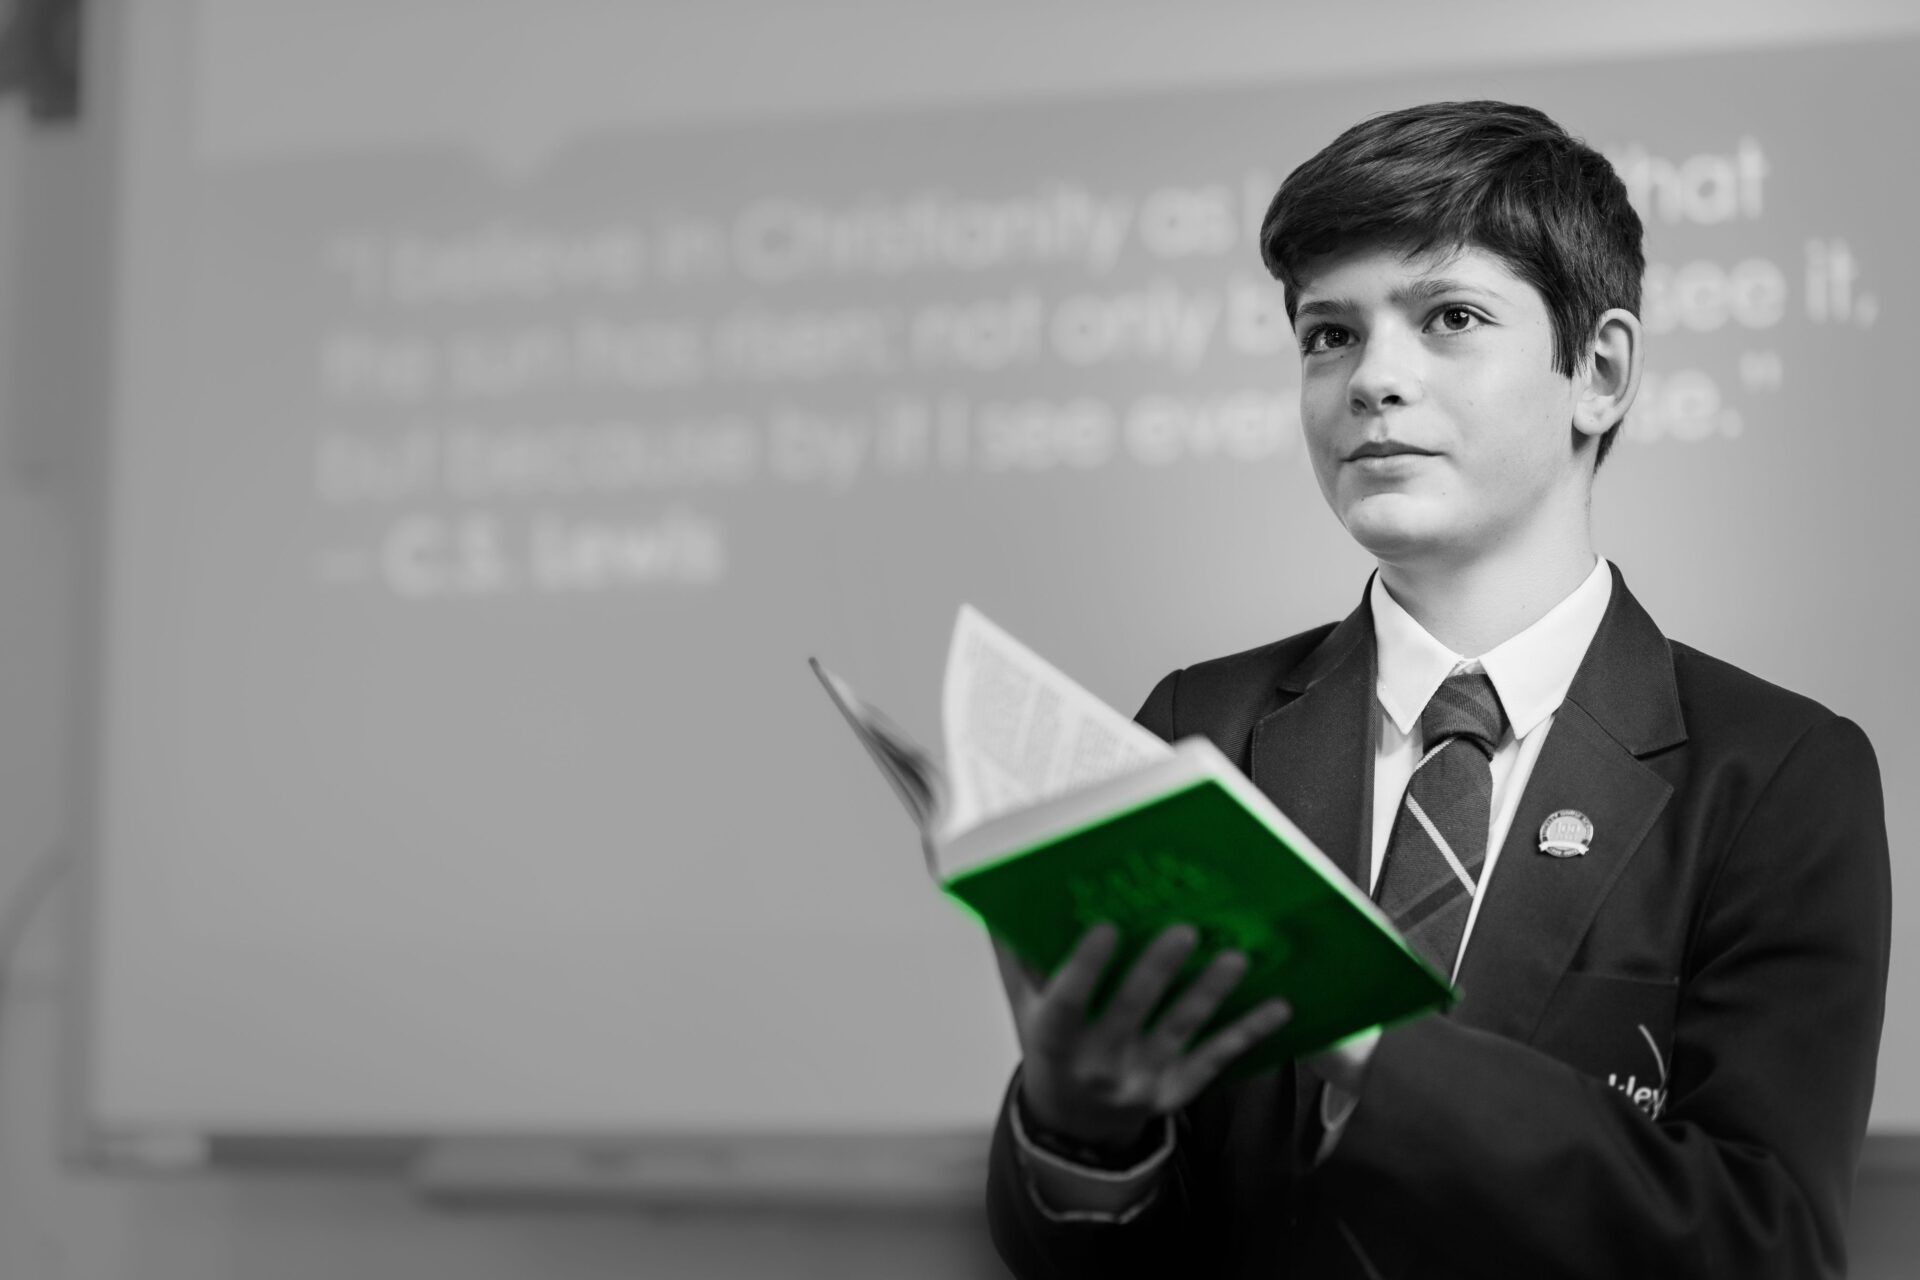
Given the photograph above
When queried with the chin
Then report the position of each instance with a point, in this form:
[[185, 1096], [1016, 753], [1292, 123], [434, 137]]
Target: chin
[[1389, 531]]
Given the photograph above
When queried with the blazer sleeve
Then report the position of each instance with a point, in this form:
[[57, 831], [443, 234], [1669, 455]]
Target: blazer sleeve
[[1500, 1160], [1165, 1238], [1160, 1240]]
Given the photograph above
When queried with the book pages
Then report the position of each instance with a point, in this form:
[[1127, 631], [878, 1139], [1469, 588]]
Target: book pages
[[1020, 731], [916, 776]]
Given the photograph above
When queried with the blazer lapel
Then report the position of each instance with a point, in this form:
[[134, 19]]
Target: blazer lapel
[[1313, 757], [1623, 705]]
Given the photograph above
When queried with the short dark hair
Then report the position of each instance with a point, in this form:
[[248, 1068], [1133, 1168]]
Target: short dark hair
[[1454, 175]]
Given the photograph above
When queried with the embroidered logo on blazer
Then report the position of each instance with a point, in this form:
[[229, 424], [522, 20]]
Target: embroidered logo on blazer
[[1650, 1098]]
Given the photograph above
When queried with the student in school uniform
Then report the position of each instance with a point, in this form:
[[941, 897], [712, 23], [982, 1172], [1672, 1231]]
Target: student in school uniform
[[1660, 883]]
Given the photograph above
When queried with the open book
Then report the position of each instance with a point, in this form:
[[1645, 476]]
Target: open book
[[1053, 812]]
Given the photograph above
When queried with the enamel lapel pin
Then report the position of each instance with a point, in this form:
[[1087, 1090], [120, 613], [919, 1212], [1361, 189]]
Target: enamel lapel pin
[[1566, 834]]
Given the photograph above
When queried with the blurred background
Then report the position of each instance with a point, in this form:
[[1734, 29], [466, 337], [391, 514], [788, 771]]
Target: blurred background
[[435, 433]]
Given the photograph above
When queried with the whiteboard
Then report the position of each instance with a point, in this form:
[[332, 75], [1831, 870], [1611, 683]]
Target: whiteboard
[[493, 443]]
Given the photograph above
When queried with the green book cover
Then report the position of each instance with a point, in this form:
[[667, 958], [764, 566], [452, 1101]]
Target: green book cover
[[1052, 813], [1200, 854]]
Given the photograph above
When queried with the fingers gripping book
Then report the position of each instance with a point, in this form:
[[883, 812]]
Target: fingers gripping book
[[1051, 812]]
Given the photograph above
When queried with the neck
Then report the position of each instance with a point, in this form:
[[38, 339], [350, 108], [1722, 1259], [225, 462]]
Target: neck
[[1475, 605]]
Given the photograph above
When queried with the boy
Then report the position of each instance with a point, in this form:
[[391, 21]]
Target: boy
[[1660, 884]]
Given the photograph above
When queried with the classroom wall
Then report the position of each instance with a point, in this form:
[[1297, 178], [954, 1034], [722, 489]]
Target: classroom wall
[[58, 1222]]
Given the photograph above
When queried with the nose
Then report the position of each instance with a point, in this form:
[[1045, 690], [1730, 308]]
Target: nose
[[1387, 372]]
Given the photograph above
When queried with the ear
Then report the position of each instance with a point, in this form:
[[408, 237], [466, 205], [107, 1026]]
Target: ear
[[1609, 377]]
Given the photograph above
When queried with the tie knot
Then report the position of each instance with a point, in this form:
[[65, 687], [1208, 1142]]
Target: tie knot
[[1465, 706]]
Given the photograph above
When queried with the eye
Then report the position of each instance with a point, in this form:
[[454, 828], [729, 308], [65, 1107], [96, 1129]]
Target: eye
[[1323, 338], [1456, 319]]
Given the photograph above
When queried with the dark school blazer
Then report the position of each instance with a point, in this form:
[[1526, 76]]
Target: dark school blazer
[[1663, 1055]]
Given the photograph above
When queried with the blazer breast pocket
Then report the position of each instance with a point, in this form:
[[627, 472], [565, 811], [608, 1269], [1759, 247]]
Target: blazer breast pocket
[[1619, 1030]]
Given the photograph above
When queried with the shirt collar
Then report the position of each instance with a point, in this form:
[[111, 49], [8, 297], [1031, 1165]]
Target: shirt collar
[[1531, 671]]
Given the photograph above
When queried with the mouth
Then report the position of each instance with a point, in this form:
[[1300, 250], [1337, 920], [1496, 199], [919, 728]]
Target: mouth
[[1387, 449]]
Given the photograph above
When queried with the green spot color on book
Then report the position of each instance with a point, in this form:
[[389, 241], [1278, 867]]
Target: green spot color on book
[[1162, 836], [1199, 855]]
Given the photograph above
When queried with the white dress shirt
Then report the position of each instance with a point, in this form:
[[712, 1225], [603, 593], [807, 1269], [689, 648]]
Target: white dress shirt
[[1531, 672]]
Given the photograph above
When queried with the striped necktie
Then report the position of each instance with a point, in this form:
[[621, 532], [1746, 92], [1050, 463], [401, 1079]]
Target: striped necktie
[[1439, 839]]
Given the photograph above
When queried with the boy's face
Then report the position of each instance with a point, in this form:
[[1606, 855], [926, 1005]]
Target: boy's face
[[1439, 430]]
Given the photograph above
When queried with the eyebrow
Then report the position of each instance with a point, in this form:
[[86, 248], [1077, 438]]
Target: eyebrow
[[1423, 290]]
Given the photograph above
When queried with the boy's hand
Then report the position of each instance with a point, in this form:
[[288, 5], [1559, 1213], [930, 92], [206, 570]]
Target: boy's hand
[[1100, 1083]]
